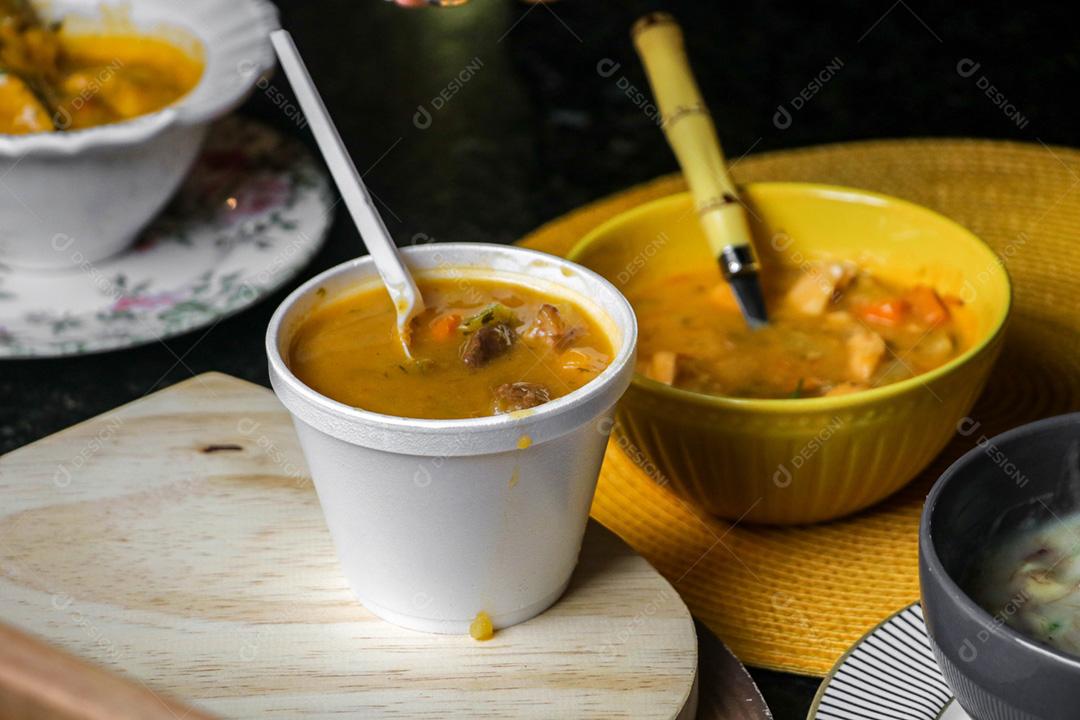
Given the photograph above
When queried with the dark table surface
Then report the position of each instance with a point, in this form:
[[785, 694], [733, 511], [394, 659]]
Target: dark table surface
[[541, 126]]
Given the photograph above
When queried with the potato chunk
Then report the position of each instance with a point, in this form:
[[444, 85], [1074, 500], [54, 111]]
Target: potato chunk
[[20, 109], [663, 367], [865, 351], [817, 287], [552, 329]]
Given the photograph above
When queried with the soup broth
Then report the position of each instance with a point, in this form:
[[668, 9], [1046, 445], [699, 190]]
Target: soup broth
[[833, 329], [53, 80], [481, 348], [1031, 580]]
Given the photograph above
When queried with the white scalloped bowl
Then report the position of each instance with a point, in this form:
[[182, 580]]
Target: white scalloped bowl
[[75, 197]]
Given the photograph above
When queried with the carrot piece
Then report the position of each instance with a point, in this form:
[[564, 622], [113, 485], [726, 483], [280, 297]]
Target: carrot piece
[[443, 327], [886, 312], [926, 306]]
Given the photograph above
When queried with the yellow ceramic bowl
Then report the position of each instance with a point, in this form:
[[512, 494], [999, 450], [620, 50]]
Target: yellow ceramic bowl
[[805, 460]]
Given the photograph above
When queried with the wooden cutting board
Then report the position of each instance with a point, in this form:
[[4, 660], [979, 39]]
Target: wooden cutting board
[[178, 541]]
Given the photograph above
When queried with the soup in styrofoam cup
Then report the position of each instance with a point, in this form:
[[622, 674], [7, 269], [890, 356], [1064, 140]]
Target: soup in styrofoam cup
[[436, 520]]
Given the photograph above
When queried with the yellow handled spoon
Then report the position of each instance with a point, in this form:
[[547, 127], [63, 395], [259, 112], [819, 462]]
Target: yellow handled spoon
[[690, 132]]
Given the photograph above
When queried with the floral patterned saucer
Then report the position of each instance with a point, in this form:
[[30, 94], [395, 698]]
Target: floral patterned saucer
[[252, 212]]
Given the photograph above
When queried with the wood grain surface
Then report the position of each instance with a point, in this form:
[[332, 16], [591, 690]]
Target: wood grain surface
[[178, 541]]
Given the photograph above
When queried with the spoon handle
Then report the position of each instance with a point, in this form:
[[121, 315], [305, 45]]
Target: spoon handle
[[399, 283], [690, 132]]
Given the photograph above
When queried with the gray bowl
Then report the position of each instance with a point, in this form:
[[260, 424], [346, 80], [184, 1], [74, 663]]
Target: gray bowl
[[996, 672]]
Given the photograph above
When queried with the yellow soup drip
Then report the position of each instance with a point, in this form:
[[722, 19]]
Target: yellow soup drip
[[481, 628]]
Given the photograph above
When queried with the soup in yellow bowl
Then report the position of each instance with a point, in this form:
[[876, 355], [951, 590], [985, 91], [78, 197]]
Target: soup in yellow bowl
[[834, 329], [886, 320]]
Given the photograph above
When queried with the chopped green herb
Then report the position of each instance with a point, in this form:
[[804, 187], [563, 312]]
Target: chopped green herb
[[421, 365], [494, 313], [798, 391]]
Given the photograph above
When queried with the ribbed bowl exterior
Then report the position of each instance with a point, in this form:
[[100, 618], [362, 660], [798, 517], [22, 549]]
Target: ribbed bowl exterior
[[796, 466], [979, 702]]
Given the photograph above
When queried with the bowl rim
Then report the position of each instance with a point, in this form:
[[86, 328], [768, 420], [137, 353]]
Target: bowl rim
[[783, 406], [263, 18], [928, 551]]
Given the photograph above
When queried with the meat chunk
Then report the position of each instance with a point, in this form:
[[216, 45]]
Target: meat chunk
[[486, 344], [548, 325], [568, 338], [519, 396]]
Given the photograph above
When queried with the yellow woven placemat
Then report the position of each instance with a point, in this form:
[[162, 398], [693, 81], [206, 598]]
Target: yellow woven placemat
[[795, 599]]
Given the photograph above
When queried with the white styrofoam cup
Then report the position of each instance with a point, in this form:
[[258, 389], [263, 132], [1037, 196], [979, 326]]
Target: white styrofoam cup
[[437, 520]]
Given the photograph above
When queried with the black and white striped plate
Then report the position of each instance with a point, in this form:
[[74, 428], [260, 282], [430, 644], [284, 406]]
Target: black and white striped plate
[[890, 674]]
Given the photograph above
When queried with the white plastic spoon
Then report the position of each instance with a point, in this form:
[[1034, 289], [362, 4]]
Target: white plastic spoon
[[399, 283]]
